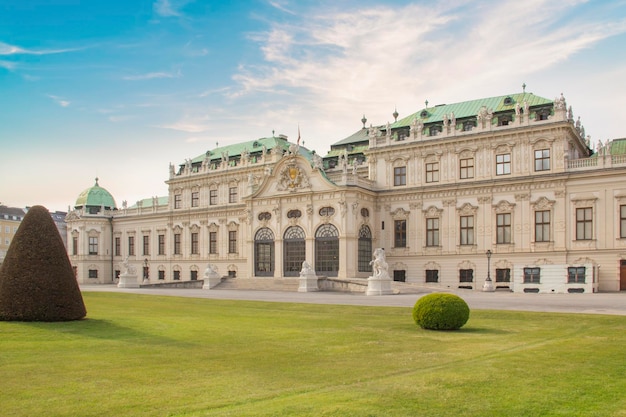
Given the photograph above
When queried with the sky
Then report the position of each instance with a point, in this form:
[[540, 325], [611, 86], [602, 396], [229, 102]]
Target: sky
[[120, 89]]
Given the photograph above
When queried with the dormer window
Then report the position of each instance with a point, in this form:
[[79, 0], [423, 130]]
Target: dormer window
[[508, 101], [424, 114], [434, 130], [468, 125], [542, 114], [504, 119]]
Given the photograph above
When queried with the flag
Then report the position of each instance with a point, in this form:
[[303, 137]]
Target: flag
[[298, 142]]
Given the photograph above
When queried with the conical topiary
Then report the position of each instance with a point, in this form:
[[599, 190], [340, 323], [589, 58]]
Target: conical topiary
[[37, 282]]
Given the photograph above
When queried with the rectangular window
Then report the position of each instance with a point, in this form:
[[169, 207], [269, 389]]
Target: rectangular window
[[432, 275], [432, 172], [195, 199], [93, 273], [232, 242], [176, 275], [212, 242], [399, 176], [503, 224], [213, 197], [532, 275], [75, 245], [542, 226], [399, 233], [118, 246], [503, 275], [161, 244], [161, 275], [503, 164], [146, 245], [432, 232], [466, 275], [584, 223], [93, 245], [466, 168], [622, 221], [7, 229], [176, 243], [467, 230], [232, 195], [178, 201], [542, 160], [131, 245], [194, 244], [194, 275], [576, 275]]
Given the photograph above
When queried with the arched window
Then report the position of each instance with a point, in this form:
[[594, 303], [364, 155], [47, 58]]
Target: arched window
[[327, 250], [294, 251], [264, 253], [365, 249]]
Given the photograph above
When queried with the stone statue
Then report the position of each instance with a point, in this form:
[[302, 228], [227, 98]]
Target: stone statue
[[379, 264], [318, 162], [128, 268], [210, 271], [306, 269]]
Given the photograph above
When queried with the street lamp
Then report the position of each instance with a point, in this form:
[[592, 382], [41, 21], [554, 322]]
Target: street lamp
[[146, 273], [488, 287]]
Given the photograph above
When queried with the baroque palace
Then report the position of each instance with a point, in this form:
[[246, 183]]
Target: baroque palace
[[503, 189]]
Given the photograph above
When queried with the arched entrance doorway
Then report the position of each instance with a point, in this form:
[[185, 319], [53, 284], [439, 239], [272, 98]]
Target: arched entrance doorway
[[294, 251], [327, 250], [264, 253]]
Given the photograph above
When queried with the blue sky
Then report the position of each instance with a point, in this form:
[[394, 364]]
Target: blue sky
[[119, 89]]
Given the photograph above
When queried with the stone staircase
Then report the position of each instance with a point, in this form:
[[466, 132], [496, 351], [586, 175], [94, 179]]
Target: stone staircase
[[292, 284]]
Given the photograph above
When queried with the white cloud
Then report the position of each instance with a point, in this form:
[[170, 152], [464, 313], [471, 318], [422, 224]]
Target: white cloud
[[152, 75], [59, 100], [169, 8], [379, 57], [6, 49], [8, 65]]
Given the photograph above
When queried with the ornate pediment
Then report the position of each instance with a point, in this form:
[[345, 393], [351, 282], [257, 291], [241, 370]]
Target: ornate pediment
[[503, 207], [292, 178], [467, 210], [543, 204]]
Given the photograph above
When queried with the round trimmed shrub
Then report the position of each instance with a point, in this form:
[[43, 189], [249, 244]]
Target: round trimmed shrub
[[441, 311]]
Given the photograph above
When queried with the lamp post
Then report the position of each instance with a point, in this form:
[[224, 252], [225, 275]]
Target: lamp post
[[488, 286], [146, 270]]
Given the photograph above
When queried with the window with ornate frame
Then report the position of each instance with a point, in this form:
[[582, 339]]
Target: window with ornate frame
[[399, 176], [213, 197], [467, 230], [466, 168], [584, 223], [432, 232], [399, 233], [576, 274], [503, 228], [93, 245], [432, 172], [532, 275], [503, 164], [542, 226]]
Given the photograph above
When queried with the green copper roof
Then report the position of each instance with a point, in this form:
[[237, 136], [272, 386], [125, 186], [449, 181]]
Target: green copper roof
[[252, 146], [358, 136], [95, 196], [149, 202], [471, 108]]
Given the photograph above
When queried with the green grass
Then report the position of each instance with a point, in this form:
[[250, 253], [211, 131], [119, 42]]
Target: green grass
[[167, 356]]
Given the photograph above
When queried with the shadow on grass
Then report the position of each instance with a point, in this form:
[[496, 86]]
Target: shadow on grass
[[105, 330]]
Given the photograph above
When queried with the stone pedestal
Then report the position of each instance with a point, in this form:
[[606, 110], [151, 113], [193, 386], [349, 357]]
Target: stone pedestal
[[308, 282], [128, 281], [488, 286], [379, 285], [211, 278]]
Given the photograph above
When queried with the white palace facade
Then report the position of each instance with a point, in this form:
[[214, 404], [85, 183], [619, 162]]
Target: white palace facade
[[503, 188]]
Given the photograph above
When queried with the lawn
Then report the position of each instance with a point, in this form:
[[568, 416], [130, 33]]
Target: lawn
[[140, 355]]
